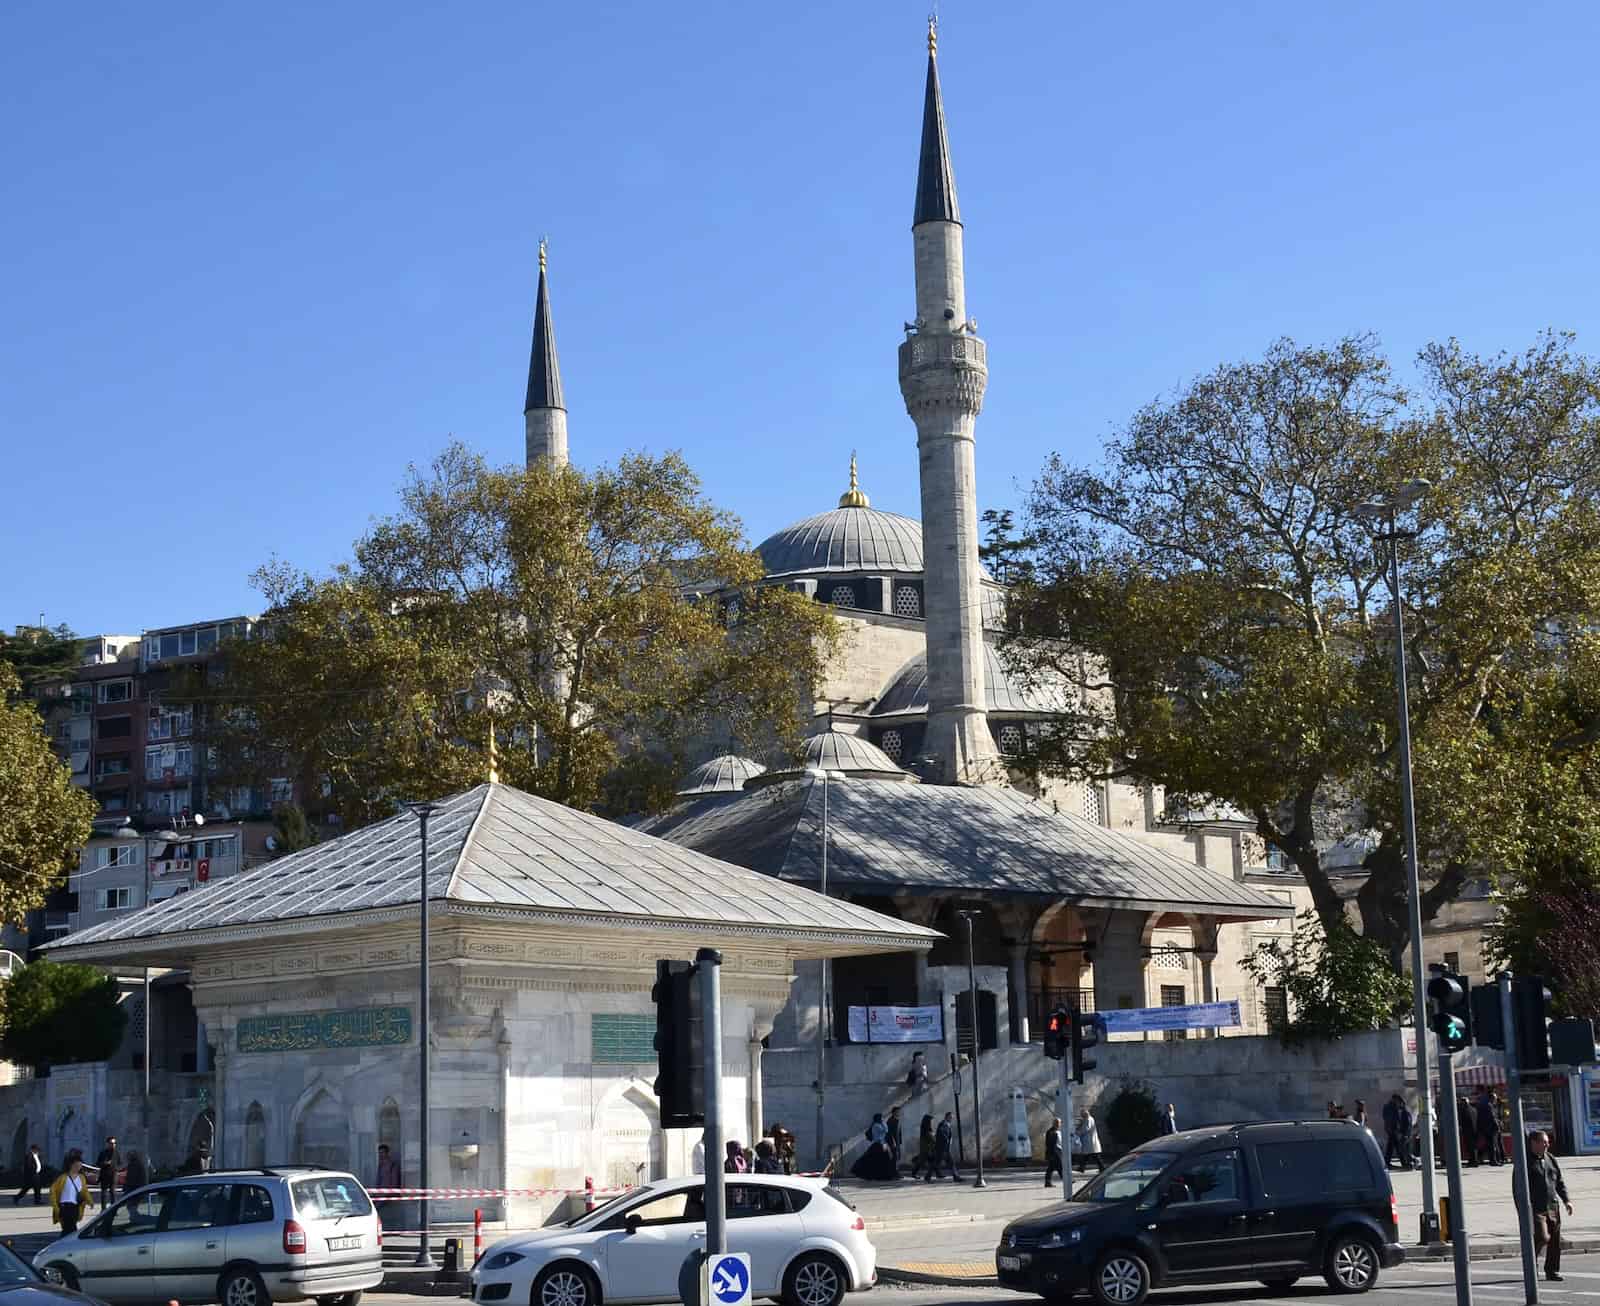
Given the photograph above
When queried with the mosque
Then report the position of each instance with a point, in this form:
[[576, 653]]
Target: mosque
[[1084, 893]]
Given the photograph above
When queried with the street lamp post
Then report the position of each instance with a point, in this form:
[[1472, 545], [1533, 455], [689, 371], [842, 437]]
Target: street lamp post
[[827, 777], [1383, 515], [966, 914], [146, 842], [422, 811]]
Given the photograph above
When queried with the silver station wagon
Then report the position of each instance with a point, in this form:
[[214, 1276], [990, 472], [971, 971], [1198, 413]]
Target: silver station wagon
[[239, 1237]]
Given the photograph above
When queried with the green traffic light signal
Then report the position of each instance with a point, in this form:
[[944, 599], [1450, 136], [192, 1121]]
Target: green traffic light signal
[[1452, 1032]]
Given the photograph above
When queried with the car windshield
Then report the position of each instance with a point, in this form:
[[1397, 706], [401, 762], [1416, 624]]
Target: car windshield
[[14, 1271], [1126, 1178], [599, 1207]]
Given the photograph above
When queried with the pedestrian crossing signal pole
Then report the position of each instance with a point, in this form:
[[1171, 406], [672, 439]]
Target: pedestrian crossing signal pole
[[708, 965], [1519, 1140], [1450, 1018]]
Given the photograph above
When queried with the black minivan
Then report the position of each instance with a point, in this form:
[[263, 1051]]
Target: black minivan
[[1270, 1202]]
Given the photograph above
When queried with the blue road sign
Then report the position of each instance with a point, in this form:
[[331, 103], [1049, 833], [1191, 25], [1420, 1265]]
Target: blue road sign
[[729, 1278]]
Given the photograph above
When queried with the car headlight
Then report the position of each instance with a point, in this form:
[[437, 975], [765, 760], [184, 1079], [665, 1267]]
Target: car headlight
[[502, 1260], [1060, 1239]]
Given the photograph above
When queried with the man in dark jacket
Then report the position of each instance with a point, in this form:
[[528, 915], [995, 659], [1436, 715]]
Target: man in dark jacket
[[110, 1161], [1547, 1194], [944, 1157], [1052, 1150], [32, 1176]]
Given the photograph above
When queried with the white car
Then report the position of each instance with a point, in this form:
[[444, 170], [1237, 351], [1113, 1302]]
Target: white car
[[806, 1244]]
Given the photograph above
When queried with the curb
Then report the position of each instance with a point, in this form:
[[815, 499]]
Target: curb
[[888, 1274]]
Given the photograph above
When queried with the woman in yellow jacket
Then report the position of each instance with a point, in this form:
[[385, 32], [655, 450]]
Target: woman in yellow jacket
[[69, 1195]]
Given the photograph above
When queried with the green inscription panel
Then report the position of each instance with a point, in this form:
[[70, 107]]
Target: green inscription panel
[[307, 1031], [621, 1040]]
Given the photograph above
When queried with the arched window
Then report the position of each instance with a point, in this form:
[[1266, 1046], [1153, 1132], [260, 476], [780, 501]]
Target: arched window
[[322, 1134], [1011, 740], [907, 602], [255, 1137], [389, 1126]]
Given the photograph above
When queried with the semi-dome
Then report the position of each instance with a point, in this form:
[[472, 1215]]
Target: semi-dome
[[721, 775], [907, 692]]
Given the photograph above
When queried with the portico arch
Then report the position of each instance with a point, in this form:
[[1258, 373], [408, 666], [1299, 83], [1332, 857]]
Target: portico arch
[[255, 1136], [629, 1139], [321, 1128]]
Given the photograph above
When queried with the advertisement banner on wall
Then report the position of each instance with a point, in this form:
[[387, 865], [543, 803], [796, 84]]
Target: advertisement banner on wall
[[1198, 1015], [896, 1024]]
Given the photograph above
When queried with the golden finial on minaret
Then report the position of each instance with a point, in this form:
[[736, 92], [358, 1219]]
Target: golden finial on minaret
[[853, 497], [933, 34], [494, 756], [542, 243]]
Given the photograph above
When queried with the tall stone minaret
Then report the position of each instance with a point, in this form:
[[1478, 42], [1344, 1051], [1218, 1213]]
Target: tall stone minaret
[[545, 414], [943, 373]]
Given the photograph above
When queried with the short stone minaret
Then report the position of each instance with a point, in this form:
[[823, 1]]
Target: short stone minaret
[[943, 372], [545, 413]]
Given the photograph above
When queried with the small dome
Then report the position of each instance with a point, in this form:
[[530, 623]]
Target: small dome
[[846, 539], [721, 775], [852, 754], [907, 692]]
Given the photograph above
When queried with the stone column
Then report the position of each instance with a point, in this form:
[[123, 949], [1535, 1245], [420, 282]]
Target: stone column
[[1120, 961], [1204, 930], [221, 1151], [1018, 980], [757, 1104]]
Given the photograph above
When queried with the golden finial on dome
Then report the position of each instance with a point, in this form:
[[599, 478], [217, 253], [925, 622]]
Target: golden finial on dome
[[542, 243], [933, 34], [853, 497]]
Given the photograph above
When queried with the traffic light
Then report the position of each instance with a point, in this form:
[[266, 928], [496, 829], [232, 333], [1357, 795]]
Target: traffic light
[[1572, 1042], [1088, 1028], [680, 1085], [1529, 999], [1488, 1029], [1451, 1011], [1057, 1034]]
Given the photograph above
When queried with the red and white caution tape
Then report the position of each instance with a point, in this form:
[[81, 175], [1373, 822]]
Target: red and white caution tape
[[446, 1193]]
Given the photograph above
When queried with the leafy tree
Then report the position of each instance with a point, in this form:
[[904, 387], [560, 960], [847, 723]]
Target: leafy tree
[[1134, 1115], [55, 1014], [44, 818], [1223, 611], [600, 623], [1336, 981], [39, 654], [1546, 927], [292, 829], [1002, 550]]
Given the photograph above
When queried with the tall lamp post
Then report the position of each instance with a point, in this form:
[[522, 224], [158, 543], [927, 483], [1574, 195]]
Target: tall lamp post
[[1383, 514], [422, 811], [826, 777], [966, 914], [147, 841]]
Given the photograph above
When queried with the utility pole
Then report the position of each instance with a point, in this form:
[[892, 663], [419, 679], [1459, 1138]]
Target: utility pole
[[972, 1010], [422, 811], [708, 965], [1450, 1131]]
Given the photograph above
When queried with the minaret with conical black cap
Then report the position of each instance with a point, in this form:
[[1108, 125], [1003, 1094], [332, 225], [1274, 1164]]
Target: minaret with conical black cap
[[943, 373], [545, 413]]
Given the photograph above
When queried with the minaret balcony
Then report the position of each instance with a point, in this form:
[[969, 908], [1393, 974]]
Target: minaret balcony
[[920, 352]]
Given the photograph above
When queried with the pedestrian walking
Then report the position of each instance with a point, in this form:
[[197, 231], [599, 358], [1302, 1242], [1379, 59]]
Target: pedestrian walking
[[1086, 1142], [32, 1176], [388, 1168], [1467, 1127], [896, 1136], [137, 1177], [783, 1144], [925, 1141], [876, 1163], [1397, 1127], [735, 1162], [944, 1156], [69, 1195], [1169, 1120], [1547, 1194], [1052, 1150], [109, 1161], [1488, 1128], [767, 1158], [1359, 1115], [917, 1076]]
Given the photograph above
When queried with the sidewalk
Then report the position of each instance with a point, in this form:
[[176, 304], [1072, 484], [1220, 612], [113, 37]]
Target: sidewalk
[[946, 1232]]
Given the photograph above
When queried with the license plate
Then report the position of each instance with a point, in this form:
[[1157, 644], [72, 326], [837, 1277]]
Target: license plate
[[1010, 1262], [344, 1244]]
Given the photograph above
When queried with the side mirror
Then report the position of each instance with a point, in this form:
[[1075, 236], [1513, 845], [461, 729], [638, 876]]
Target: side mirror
[[633, 1223]]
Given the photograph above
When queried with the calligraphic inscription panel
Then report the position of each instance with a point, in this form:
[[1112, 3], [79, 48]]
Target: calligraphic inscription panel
[[306, 1031], [620, 1040]]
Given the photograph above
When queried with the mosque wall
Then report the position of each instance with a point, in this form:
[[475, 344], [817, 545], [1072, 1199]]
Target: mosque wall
[[871, 651]]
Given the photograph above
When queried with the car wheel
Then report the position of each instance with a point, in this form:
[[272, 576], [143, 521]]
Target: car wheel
[[815, 1281], [1121, 1278], [63, 1274], [243, 1288], [1352, 1264], [1281, 1285], [565, 1285]]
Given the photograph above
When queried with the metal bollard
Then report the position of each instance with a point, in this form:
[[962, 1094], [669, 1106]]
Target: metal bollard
[[451, 1269], [1444, 1217], [477, 1234]]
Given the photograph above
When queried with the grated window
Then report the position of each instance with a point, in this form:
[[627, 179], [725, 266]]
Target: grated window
[[891, 743], [842, 597], [907, 602], [1010, 740], [1093, 803]]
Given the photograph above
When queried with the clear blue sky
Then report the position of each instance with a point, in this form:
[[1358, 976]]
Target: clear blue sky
[[261, 256]]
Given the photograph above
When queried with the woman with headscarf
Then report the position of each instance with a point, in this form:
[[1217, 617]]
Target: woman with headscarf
[[735, 1164], [924, 1147]]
